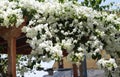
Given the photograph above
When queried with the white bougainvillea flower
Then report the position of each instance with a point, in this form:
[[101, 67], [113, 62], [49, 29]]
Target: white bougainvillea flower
[[109, 64]]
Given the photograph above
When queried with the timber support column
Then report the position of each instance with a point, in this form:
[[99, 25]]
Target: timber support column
[[81, 70], [75, 70], [10, 34], [12, 57]]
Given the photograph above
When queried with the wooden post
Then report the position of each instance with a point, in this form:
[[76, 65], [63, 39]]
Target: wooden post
[[12, 57], [81, 70], [10, 34], [75, 70], [60, 64], [84, 67]]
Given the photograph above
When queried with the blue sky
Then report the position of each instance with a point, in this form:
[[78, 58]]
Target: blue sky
[[107, 1]]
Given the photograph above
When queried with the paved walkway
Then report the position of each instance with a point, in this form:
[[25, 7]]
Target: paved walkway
[[90, 73], [95, 73]]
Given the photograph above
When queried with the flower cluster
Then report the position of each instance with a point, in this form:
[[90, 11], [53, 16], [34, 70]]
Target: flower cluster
[[109, 64], [76, 58], [10, 14], [57, 27], [111, 40], [3, 64], [63, 27], [54, 27]]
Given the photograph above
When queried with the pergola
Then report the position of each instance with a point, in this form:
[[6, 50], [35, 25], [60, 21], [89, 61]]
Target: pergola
[[14, 42]]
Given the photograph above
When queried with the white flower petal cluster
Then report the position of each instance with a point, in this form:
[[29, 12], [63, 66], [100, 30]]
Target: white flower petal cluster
[[10, 14], [56, 52], [75, 57], [29, 4], [110, 64], [71, 27], [68, 44], [3, 56], [95, 44], [55, 27], [3, 62]]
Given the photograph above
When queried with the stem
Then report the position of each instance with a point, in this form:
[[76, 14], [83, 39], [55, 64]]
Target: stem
[[109, 75]]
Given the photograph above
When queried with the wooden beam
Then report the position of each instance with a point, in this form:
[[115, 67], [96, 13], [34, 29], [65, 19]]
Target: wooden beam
[[22, 50], [12, 57]]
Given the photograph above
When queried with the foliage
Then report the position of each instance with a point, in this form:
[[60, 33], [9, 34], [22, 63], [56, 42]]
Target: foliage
[[62, 1], [3, 64], [96, 4], [53, 27], [1, 48], [107, 64], [73, 28], [10, 14]]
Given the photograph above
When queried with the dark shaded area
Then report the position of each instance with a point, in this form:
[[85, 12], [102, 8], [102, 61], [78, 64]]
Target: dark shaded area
[[22, 47]]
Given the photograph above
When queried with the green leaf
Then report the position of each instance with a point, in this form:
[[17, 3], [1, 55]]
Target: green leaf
[[61, 1], [99, 56], [86, 2], [12, 18], [41, 0], [94, 56], [39, 68], [92, 2], [1, 48], [98, 1], [13, 0], [1, 20]]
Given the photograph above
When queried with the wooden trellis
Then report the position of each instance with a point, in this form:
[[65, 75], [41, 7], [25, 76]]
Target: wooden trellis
[[12, 40]]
